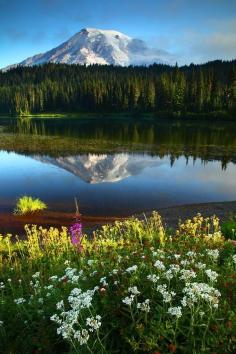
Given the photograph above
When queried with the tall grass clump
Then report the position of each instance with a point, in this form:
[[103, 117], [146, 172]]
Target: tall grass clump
[[26, 205], [131, 288]]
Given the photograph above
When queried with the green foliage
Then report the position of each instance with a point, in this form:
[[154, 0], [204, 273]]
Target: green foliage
[[133, 288], [158, 88], [27, 205], [229, 228]]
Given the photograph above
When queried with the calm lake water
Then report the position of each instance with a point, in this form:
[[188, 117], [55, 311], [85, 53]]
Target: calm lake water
[[116, 167]]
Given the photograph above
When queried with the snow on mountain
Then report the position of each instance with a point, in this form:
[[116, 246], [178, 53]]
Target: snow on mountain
[[96, 46], [94, 168]]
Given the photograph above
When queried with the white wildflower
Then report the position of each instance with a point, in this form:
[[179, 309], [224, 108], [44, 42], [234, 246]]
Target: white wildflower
[[36, 275], [184, 263], [82, 336], [153, 278], [187, 274], [175, 268], [175, 311], [56, 318], [128, 300], [60, 305], [200, 265], [144, 306], [103, 281], [169, 275], [76, 292], [161, 288], [114, 271], [202, 291], [132, 269], [94, 323], [159, 265], [19, 301], [191, 254], [214, 254], [177, 256], [211, 274], [133, 290], [49, 287]]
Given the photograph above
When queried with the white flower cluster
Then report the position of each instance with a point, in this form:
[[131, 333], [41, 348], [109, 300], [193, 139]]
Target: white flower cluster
[[187, 274], [71, 276], [185, 262], [234, 258], [82, 336], [103, 281], [2, 285], [134, 290], [128, 300], [167, 295], [191, 254], [175, 311], [68, 320], [159, 265], [53, 278], [132, 269], [19, 301], [90, 262], [214, 254], [94, 323], [200, 265], [212, 275], [36, 275], [195, 292], [144, 306], [153, 278]]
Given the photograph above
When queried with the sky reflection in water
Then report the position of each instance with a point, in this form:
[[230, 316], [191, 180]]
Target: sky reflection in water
[[113, 184]]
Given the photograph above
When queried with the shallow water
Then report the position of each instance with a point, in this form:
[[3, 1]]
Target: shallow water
[[116, 167]]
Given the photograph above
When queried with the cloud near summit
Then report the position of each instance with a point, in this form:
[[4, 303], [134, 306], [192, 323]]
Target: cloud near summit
[[142, 53]]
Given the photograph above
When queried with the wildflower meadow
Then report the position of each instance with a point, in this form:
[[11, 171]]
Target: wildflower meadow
[[131, 287]]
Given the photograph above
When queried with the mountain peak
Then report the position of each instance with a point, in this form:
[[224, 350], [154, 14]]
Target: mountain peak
[[97, 46]]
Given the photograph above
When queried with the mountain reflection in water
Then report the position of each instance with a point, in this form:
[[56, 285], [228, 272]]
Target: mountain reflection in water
[[116, 167]]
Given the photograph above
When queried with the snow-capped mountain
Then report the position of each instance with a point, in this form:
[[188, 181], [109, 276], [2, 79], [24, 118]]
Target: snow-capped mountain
[[96, 46], [94, 168]]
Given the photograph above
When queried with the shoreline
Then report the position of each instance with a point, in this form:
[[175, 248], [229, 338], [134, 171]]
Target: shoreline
[[217, 115], [171, 216]]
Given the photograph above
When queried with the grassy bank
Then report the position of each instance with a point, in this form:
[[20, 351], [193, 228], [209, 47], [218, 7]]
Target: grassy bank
[[133, 287], [214, 115]]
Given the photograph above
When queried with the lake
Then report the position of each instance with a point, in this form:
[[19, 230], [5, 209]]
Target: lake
[[116, 167]]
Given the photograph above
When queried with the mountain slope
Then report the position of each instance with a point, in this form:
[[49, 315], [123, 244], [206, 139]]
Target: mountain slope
[[96, 46]]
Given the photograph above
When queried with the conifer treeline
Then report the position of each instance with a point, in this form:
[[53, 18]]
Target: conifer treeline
[[157, 88]]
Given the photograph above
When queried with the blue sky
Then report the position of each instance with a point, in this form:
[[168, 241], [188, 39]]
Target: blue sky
[[191, 31]]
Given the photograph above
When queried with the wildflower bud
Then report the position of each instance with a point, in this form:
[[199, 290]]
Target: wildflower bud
[[102, 291]]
